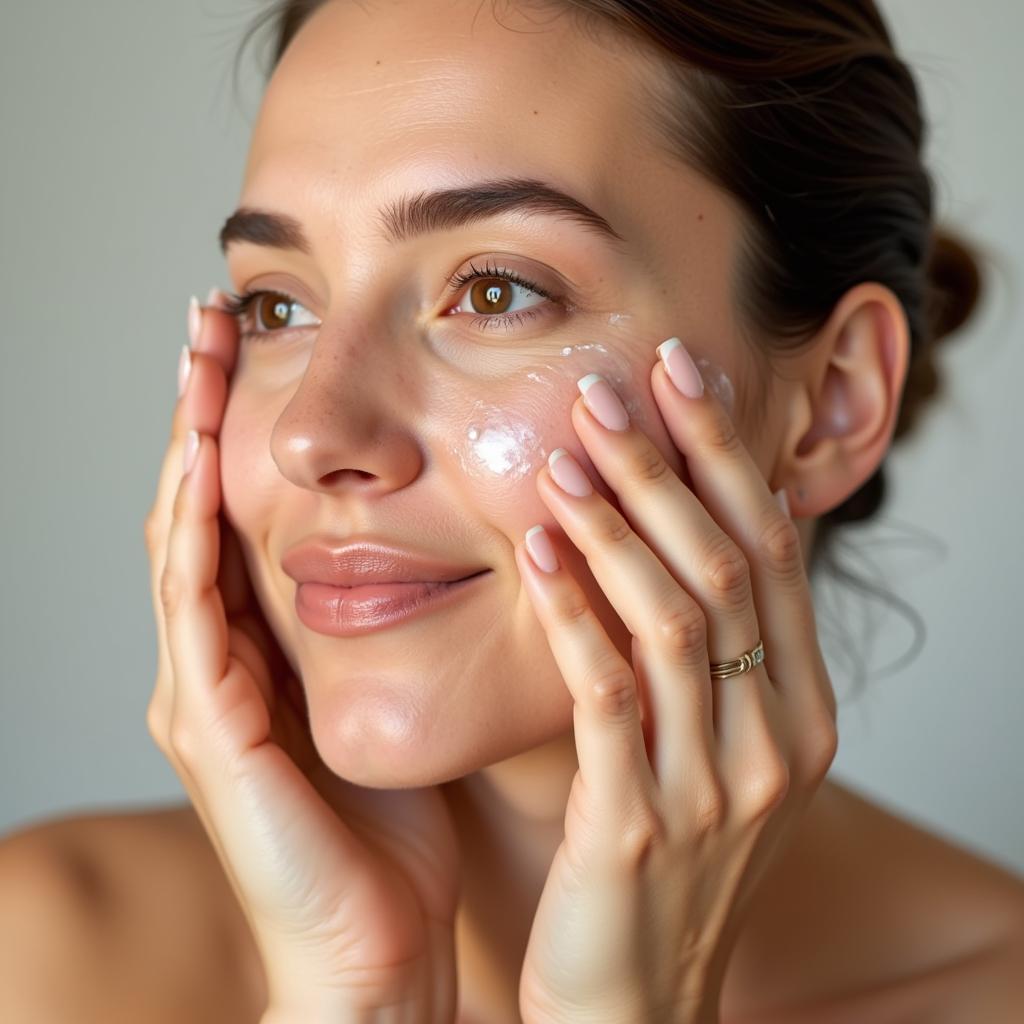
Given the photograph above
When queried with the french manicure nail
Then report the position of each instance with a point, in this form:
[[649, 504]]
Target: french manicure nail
[[602, 401], [540, 548], [682, 370], [195, 320], [569, 474], [215, 298], [184, 369]]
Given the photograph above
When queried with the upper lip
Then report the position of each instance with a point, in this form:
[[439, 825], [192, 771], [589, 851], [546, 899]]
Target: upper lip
[[355, 563]]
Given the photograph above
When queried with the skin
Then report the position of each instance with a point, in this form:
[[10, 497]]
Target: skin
[[361, 419]]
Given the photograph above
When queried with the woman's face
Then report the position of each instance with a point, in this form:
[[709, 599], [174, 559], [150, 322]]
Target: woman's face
[[389, 402]]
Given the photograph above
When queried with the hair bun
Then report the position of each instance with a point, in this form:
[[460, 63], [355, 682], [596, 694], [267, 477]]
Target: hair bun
[[954, 281], [952, 293]]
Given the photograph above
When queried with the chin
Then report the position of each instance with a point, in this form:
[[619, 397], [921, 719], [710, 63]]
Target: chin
[[388, 734], [378, 733]]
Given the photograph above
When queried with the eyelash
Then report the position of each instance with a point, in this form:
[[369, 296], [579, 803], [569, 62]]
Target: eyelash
[[240, 306]]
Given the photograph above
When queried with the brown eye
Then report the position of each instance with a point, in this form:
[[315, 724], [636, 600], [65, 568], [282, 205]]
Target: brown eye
[[272, 311], [491, 295], [502, 297]]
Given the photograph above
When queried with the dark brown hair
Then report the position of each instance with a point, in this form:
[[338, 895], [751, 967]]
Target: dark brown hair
[[803, 112]]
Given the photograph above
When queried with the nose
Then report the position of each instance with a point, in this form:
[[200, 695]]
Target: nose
[[347, 426]]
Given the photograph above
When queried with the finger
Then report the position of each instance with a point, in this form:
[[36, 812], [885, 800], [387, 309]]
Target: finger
[[669, 624], [218, 333], [702, 557], [731, 486], [213, 334], [245, 616], [614, 769], [200, 407], [205, 366], [197, 631], [673, 523]]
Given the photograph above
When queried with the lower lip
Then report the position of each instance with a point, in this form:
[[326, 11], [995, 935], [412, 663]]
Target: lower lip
[[352, 611]]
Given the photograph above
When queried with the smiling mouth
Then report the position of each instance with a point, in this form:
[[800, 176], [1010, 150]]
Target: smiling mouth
[[352, 611]]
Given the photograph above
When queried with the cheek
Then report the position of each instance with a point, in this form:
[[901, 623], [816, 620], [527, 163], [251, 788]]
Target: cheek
[[497, 441]]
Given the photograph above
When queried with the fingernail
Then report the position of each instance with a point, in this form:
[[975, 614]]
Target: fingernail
[[184, 369], [195, 320], [215, 298], [191, 450], [602, 401], [781, 497], [541, 550], [682, 370], [569, 474]]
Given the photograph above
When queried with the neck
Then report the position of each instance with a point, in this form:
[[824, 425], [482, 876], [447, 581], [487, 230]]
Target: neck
[[509, 818]]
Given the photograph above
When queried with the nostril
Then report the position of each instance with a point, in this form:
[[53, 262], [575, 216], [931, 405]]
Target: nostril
[[354, 475]]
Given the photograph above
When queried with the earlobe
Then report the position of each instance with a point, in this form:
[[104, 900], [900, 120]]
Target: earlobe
[[842, 423]]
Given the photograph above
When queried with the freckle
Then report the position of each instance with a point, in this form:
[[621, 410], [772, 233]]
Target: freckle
[[535, 111], [376, 62], [700, 216]]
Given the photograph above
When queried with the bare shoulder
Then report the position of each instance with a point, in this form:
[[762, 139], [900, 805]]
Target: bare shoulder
[[122, 916], [873, 916]]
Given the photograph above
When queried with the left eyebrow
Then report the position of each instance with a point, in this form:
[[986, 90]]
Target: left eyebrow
[[425, 212]]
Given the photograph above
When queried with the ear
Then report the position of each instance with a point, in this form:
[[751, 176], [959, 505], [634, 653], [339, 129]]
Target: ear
[[841, 412]]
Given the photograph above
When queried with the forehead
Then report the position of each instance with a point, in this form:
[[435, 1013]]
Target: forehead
[[447, 82]]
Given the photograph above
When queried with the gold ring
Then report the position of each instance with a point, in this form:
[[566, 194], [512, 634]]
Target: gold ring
[[744, 663]]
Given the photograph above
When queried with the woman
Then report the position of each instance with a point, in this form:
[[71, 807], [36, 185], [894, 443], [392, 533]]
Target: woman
[[564, 333]]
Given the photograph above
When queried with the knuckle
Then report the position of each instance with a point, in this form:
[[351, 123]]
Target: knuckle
[[778, 549], [571, 609], [680, 624], [182, 741], [720, 436], [640, 838], [822, 746], [156, 723], [726, 574], [172, 592], [770, 785], [611, 683], [151, 533], [648, 467], [613, 528]]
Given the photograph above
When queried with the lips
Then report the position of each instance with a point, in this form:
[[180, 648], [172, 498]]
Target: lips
[[361, 563], [353, 611]]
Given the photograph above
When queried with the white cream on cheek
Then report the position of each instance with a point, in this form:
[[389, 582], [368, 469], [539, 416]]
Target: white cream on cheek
[[500, 442]]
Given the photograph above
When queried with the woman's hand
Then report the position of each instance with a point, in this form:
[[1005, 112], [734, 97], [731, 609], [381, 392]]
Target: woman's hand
[[676, 810], [350, 892]]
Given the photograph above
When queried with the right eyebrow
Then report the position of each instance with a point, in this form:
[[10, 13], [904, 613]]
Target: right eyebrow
[[425, 212]]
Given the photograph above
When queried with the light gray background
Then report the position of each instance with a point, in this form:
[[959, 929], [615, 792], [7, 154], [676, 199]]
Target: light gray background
[[122, 152]]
